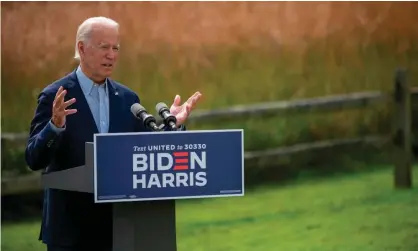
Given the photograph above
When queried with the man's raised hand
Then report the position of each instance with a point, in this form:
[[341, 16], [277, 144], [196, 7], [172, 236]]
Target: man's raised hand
[[182, 111], [59, 111]]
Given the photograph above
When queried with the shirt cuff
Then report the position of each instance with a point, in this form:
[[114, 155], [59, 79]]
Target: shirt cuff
[[56, 129]]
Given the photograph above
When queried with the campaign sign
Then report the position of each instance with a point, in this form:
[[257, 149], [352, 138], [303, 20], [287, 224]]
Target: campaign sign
[[168, 165]]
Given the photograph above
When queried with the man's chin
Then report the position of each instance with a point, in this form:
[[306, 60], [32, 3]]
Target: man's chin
[[107, 73]]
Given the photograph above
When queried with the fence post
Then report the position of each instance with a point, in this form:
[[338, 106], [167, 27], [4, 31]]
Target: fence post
[[402, 172]]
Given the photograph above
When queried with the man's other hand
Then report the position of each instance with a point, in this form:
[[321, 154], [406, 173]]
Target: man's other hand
[[183, 111], [59, 111]]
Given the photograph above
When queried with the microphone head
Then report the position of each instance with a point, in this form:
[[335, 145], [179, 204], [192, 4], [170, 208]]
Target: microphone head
[[137, 108], [161, 107]]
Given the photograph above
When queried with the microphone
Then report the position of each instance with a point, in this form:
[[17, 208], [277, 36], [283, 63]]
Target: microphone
[[164, 112], [140, 113]]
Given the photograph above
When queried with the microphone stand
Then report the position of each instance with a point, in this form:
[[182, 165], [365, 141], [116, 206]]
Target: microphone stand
[[153, 126], [163, 125]]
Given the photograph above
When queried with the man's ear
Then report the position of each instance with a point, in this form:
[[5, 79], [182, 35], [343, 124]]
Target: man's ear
[[81, 48]]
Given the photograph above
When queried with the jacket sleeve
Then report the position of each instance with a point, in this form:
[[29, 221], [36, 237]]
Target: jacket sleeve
[[43, 135]]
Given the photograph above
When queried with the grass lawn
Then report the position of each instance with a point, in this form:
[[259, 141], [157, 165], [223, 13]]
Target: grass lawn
[[359, 212]]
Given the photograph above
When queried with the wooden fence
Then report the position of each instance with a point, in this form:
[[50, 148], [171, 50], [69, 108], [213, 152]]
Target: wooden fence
[[400, 139]]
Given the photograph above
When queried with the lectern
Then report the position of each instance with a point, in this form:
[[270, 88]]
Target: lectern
[[143, 174]]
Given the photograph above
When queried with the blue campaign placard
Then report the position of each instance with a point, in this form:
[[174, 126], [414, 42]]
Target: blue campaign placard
[[168, 165]]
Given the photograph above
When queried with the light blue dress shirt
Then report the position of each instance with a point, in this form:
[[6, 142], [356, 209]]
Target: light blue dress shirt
[[97, 97]]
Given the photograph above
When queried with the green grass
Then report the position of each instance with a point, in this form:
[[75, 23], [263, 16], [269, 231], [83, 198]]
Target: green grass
[[355, 212]]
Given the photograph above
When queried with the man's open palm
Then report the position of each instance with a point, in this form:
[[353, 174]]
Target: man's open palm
[[182, 111]]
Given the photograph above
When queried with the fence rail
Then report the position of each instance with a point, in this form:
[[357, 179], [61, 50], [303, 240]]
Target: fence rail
[[400, 98], [14, 136], [31, 182], [321, 104]]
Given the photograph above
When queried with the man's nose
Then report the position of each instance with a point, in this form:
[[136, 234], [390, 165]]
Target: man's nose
[[111, 55]]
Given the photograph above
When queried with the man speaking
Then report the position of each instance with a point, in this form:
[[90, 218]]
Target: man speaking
[[69, 112]]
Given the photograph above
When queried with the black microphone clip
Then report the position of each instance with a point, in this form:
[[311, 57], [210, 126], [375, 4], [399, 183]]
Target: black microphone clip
[[140, 113]]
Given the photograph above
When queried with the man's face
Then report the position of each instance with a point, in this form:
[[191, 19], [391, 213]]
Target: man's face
[[101, 52]]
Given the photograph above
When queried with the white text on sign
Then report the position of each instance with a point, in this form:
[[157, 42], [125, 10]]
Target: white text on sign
[[177, 169]]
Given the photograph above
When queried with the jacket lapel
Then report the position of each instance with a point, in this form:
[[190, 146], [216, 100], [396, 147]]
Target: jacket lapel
[[115, 102]]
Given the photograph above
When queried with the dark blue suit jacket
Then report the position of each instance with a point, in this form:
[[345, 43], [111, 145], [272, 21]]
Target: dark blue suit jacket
[[71, 218]]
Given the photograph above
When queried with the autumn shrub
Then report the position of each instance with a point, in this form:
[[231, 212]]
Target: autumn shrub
[[234, 53]]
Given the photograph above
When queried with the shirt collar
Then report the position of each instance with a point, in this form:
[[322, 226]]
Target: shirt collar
[[86, 83]]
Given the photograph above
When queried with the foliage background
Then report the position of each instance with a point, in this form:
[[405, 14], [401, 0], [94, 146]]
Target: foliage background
[[233, 52], [239, 53]]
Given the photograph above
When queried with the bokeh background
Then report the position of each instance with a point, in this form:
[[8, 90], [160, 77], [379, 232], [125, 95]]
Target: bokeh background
[[239, 53]]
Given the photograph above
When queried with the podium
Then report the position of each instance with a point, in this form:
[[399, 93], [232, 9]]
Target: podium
[[143, 174]]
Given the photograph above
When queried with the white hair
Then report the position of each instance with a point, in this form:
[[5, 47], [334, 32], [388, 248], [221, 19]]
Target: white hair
[[84, 30]]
